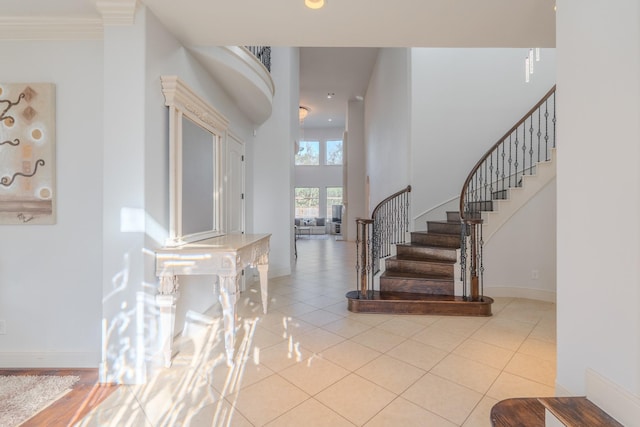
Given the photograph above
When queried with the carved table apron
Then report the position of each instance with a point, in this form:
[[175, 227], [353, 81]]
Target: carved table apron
[[225, 256]]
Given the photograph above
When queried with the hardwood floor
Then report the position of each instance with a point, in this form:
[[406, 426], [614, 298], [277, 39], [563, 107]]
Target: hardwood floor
[[72, 407]]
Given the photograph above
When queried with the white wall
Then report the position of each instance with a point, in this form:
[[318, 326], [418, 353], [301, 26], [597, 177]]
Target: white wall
[[273, 162], [520, 258], [58, 282], [136, 182], [354, 171], [598, 243], [50, 275], [166, 56], [463, 101], [387, 124]]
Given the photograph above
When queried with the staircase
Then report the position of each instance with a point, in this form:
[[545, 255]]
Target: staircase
[[419, 279]]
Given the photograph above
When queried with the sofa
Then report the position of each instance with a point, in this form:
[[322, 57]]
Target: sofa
[[315, 226]]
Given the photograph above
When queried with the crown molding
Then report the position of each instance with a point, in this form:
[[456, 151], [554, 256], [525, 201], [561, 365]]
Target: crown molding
[[50, 28], [117, 12]]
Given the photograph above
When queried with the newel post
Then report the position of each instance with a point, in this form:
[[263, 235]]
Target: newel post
[[476, 253], [363, 258]]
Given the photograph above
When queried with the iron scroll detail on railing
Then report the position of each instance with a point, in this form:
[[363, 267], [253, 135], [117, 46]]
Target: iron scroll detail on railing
[[377, 236], [529, 142]]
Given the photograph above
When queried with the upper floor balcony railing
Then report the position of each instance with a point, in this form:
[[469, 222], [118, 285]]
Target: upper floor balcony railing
[[263, 53]]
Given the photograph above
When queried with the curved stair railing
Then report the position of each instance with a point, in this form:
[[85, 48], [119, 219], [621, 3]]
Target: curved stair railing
[[377, 236], [503, 166]]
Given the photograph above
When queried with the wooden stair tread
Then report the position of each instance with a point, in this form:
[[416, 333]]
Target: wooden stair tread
[[578, 411], [523, 412], [417, 276], [425, 245], [409, 296], [530, 412], [421, 259], [432, 233]]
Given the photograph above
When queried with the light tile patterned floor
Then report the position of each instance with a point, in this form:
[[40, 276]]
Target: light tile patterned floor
[[310, 362]]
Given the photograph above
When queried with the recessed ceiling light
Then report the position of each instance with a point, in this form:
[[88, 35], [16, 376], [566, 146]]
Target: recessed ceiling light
[[330, 120], [331, 95], [314, 4]]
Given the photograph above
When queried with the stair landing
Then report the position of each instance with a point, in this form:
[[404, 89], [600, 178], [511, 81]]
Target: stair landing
[[416, 303]]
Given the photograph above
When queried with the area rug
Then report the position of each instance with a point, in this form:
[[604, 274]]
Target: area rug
[[23, 396]]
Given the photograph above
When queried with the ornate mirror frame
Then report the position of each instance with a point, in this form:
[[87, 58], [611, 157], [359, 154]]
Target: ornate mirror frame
[[184, 103]]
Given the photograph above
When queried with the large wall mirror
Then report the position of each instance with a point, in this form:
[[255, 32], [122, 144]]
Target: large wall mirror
[[196, 131]]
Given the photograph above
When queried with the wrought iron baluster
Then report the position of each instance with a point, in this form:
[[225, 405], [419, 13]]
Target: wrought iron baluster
[[554, 120], [531, 147], [515, 165], [481, 250], [546, 130], [463, 258], [524, 150], [539, 134], [510, 159], [503, 156]]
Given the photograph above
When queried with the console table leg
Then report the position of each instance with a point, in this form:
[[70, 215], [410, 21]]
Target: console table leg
[[228, 285], [263, 269], [167, 305]]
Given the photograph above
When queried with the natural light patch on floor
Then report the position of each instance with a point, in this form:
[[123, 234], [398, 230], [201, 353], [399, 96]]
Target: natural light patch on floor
[[310, 362]]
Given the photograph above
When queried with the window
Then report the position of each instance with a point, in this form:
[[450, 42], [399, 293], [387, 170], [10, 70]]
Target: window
[[334, 197], [308, 153], [307, 202], [334, 153]]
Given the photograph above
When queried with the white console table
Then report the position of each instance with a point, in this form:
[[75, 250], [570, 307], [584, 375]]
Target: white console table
[[225, 256]]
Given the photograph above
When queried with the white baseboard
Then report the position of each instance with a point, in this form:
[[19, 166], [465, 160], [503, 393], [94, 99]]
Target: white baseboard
[[513, 292], [49, 360], [613, 399]]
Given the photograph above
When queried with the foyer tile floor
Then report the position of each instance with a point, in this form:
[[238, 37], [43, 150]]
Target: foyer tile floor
[[310, 362]]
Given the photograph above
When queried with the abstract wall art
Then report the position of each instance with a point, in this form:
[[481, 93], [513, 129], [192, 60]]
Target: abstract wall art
[[27, 153]]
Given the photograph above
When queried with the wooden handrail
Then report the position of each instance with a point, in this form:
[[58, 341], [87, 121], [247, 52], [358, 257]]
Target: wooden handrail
[[494, 146], [375, 236], [396, 194]]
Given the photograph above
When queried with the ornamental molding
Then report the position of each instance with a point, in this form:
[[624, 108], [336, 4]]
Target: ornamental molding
[[117, 12], [179, 95]]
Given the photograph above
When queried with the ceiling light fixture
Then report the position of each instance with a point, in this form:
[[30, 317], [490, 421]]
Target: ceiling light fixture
[[330, 95], [302, 112], [314, 4]]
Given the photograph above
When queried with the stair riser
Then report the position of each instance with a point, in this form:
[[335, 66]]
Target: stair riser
[[453, 216], [441, 240], [500, 195], [444, 227], [427, 252], [417, 286], [480, 206], [441, 308], [422, 267]]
